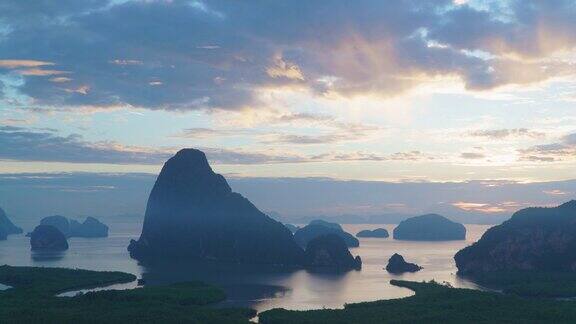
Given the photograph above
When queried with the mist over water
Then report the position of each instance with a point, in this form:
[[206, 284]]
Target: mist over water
[[260, 287]]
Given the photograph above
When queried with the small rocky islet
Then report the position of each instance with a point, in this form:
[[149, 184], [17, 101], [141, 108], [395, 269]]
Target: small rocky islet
[[397, 265]]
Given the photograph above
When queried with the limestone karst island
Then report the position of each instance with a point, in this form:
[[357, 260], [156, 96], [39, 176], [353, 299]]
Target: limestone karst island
[[362, 162]]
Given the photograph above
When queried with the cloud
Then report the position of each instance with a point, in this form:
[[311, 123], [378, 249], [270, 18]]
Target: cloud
[[472, 155], [531, 29], [564, 149], [488, 208], [30, 144], [13, 64], [83, 90], [284, 69], [307, 139], [366, 156], [60, 79], [40, 72], [338, 132], [301, 117], [125, 62], [271, 128], [24, 144], [555, 192], [201, 132], [500, 134], [222, 54], [30, 67]]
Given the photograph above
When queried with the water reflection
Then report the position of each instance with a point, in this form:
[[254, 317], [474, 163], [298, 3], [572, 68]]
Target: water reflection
[[261, 287], [244, 284], [43, 256], [264, 287]]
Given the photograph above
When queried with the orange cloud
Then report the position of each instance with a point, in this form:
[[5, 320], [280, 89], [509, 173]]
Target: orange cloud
[[60, 79], [480, 207], [13, 64], [40, 72], [282, 68], [555, 192]]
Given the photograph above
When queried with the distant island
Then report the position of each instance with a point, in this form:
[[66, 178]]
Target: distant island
[[375, 233], [430, 227], [318, 228], [193, 213], [534, 239], [6, 226], [324, 223], [91, 227]]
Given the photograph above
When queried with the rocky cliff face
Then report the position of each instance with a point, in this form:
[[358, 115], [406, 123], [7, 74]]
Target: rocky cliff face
[[534, 239], [330, 251], [6, 226], [48, 238], [193, 213], [430, 227]]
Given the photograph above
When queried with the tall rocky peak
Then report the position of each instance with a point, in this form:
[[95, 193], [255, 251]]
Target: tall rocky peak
[[188, 174], [193, 213]]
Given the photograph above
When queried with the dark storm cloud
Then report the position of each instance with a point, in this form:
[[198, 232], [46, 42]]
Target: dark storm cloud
[[217, 54]]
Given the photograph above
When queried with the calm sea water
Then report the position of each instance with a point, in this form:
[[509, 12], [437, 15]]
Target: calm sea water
[[261, 287]]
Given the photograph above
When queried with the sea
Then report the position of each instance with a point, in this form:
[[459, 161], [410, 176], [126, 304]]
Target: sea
[[259, 287]]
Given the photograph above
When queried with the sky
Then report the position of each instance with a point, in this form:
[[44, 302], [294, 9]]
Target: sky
[[408, 91]]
